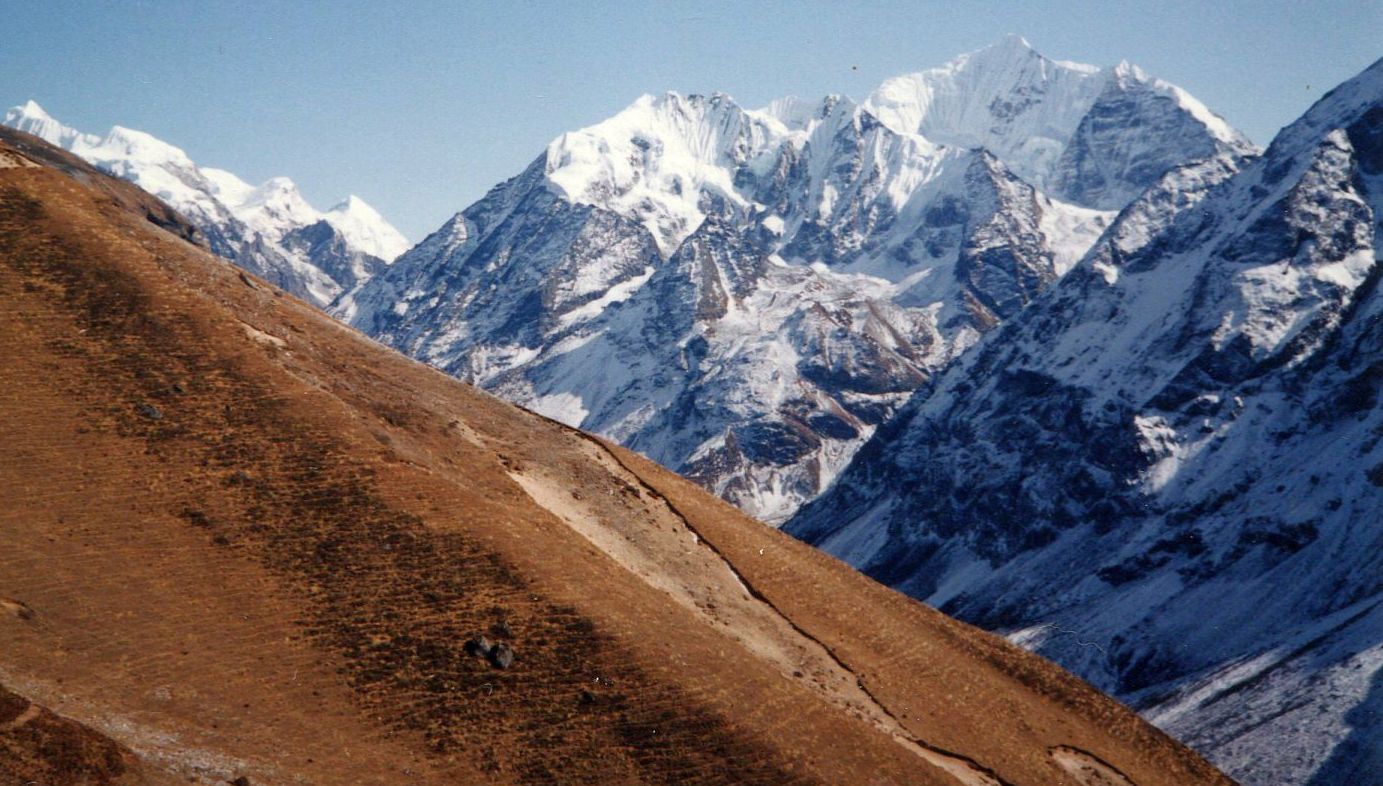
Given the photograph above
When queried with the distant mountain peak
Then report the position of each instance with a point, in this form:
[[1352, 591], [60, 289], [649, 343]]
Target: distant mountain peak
[[1010, 50], [32, 109], [1013, 41], [365, 228], [352, 203], [34, 119], [1043, 117], [259, 227], [655, 159], [144, 142]]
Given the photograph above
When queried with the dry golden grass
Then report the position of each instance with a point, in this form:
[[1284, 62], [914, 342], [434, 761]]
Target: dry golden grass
[[248, 542]]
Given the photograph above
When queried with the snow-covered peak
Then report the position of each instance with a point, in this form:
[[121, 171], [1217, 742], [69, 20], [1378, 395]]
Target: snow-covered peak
[[280, 194], [30, 113], [1007, 98], [269, 229], [275, 207], [364, 228], [668, 161], [1025, 107], [1013, 42], [119, 144], [657, 159], [33, 119], [31, 108], [1010, 52], [138, 146], [906, 102]]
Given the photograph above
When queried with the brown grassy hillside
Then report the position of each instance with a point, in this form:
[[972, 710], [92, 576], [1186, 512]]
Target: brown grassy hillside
[[238, 540]]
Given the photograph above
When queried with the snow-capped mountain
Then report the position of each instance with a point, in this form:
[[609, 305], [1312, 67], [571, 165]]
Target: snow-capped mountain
[[745, 295], [268, 229], [1167, 472], [1090, 136]]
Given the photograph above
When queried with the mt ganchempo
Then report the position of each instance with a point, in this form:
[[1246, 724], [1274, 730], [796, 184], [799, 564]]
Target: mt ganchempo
[[745, 295]]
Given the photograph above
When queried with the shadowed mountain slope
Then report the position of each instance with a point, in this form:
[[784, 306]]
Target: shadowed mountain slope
[[243, 541], [1176, 455]]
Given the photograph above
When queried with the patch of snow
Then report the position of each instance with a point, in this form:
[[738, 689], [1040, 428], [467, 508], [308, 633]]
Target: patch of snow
[[562, 407]]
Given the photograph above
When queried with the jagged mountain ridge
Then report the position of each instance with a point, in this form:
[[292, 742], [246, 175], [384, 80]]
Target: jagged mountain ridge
[[1167, 472], [268, 229], [745, 295]]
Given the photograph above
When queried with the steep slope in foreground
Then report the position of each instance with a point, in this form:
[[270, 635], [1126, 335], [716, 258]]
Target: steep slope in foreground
[[1167, 473], [242, 540]]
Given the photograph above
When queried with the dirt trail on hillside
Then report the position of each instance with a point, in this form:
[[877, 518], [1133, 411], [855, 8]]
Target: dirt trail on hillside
[[673, 557]]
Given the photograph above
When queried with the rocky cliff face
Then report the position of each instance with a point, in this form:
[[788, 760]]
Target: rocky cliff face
[[1166, 473], [745, 295]]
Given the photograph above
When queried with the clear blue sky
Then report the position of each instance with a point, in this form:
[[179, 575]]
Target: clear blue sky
[[422, 107]]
